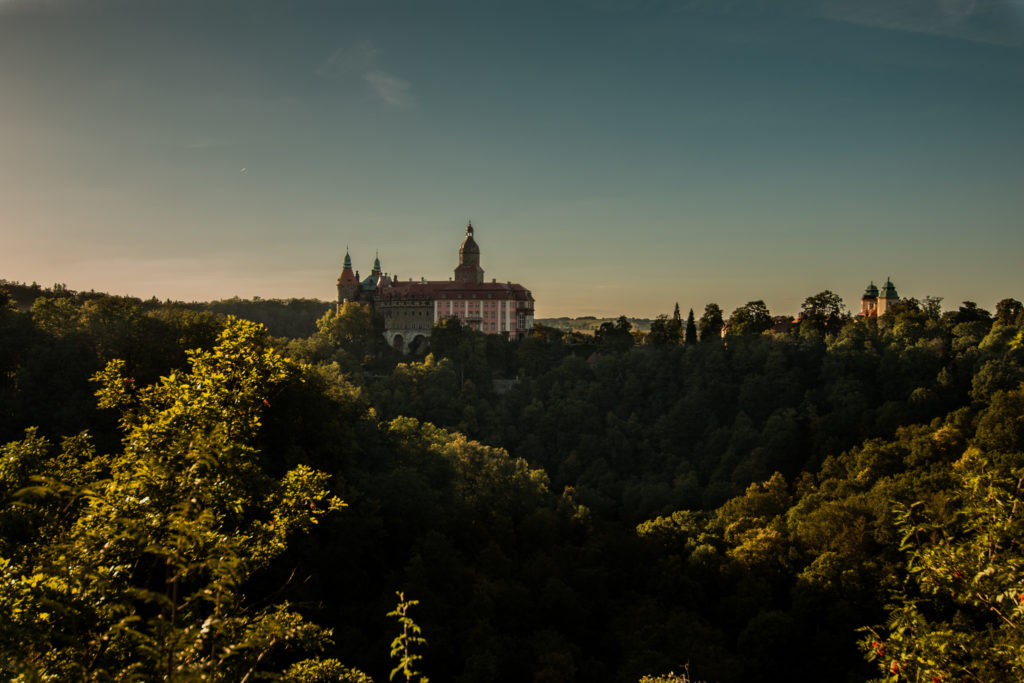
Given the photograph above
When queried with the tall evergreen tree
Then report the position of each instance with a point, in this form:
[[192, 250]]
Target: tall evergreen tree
[[691, 329], [674, 327]]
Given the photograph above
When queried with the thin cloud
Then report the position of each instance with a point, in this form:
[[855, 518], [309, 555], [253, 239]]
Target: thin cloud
[[391, 89], [359, 60], [980, 21], [353, 60]]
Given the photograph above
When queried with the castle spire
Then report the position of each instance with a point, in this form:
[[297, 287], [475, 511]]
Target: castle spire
[[469, 269], [348, 281]]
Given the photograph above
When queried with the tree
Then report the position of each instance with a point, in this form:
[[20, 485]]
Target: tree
[[691, 330], [351, 327], [824, 311], [670, 677], [932, 305], [659, 334], [1009, 312], [750, 319], [404, 645], [674, 328], [711, 323], [137, 563], [465, 347], [614, 337], [970, 312], [962, 614], [666, 331]]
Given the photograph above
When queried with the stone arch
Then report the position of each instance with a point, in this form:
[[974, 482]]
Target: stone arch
[[418, 343], [398, 343]]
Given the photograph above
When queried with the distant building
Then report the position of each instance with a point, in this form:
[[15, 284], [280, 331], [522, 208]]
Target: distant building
[[874, 304], [411, 309]]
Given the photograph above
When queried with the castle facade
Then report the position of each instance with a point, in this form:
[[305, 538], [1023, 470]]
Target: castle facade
[[411, 309]]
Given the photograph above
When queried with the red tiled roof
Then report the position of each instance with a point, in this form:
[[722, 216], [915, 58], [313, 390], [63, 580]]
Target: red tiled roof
[[440, 289]]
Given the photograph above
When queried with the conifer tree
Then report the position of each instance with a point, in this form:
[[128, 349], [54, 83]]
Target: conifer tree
[[674, 327], [691, 329]]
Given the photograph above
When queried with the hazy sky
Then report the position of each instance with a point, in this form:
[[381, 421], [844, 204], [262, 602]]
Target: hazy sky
[[614, 156]]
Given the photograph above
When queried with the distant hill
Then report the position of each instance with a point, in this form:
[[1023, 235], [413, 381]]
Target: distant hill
[[281, 317], [588, 323]]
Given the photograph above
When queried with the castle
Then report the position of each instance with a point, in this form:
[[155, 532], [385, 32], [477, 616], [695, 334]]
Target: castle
[[411, 309], [873, 304]]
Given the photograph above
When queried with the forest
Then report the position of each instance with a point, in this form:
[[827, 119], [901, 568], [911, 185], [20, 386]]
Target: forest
[[263, 490]]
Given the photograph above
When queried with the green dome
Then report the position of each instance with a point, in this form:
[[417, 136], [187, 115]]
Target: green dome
[[469, 245]]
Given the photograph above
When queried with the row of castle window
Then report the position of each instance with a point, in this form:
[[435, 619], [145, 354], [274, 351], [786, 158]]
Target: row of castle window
[[486, 314], [491, 304]]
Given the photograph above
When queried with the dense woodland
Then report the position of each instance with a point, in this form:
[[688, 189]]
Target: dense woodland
[[185, 494]]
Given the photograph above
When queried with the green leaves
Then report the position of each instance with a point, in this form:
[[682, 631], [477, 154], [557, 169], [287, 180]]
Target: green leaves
[[961, 613], [138, 562], [403, 646]]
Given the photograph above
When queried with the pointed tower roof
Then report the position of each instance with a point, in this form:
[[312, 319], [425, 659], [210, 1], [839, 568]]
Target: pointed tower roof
[[347, 277], [871, 292], [889, 291]]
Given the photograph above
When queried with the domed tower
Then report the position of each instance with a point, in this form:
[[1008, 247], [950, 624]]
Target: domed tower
[[469, 270], [888, 297], [369, 285], [869, 302], [348, 285]]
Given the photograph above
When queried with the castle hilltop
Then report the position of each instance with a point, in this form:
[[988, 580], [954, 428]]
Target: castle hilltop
[[411, 309]]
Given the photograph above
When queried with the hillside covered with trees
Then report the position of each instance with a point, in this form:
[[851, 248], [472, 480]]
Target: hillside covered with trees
[[184, 493]]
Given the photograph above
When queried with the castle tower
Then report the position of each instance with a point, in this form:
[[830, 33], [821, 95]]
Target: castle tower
[[869, 301], [469, 270], [348, 284], [368, 286], [888, 297]]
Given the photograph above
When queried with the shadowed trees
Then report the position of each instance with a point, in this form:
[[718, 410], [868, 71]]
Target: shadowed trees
[[137, 562], [711, 323]]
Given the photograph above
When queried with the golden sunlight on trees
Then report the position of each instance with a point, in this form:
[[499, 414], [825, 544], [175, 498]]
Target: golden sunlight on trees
[[135, 563]]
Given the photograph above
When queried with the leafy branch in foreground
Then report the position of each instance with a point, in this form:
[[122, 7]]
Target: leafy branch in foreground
[[136, 563], [402, 646], [961, 615]]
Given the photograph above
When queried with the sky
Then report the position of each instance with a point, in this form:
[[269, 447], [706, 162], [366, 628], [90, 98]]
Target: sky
[[614, 156]]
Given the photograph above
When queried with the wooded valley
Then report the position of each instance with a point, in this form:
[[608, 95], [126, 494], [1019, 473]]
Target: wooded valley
[[185, 494]]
